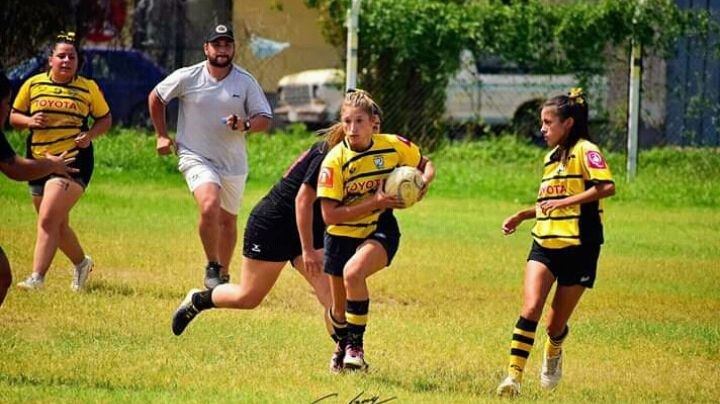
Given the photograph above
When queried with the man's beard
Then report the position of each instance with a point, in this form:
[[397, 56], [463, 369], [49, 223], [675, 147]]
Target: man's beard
[[214, 61]]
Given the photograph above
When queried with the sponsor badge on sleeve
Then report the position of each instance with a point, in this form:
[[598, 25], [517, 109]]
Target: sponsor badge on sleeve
[[326, 177], [595, 160]]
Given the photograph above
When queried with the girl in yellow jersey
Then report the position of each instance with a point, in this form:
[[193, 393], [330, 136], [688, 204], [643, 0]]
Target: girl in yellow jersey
[[567, 235], [362, 234], [55, 107]]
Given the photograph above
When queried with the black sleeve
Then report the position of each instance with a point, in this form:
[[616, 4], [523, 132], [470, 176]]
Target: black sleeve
[[313, 170], [6, 151]]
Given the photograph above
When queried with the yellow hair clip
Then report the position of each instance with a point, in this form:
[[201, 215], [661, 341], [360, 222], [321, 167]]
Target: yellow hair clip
[[66, 36], [578, 94]]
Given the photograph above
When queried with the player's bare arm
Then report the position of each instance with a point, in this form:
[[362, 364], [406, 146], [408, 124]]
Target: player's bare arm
[[164, 144], [22, 169], [512, 222], [312, 259], [100, 126], [335, 212], [428, 175]]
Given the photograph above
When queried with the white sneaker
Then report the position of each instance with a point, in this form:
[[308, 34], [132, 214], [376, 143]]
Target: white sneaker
[[551, 371], [354, 358], [509, 388], [32, 283], [81, 272]]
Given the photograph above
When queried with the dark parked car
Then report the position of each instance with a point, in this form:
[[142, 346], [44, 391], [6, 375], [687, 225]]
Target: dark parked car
[[126, 77]]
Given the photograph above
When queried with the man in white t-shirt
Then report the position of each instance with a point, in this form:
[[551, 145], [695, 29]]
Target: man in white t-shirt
[[219, 104]]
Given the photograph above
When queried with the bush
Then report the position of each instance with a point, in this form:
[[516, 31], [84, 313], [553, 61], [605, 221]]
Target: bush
[[496, 167]]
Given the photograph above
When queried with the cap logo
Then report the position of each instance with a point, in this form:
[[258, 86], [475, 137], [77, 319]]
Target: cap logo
[[221, 29]]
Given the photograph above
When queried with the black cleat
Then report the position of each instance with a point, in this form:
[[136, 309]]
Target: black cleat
[[184, 314], [224, 278]]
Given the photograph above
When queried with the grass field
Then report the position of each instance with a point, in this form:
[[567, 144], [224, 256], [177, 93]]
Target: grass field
[[440, 317]]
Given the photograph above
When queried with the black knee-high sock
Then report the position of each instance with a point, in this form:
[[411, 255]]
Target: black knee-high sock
[[203, 300], [357, 316], [339, 330]]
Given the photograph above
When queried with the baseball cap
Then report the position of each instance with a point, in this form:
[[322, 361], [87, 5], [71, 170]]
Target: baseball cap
[[220, 31]]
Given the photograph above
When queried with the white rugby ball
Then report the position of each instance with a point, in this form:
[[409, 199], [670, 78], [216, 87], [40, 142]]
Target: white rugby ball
[[405, 183]]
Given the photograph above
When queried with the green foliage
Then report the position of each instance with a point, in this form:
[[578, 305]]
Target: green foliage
[[496, 168], [507, 169], [409, 61], [410, 48], [26, 26]]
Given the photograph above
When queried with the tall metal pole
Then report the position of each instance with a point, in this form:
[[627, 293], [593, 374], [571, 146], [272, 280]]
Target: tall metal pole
[[353, 14], [634, 110], [634, 99]]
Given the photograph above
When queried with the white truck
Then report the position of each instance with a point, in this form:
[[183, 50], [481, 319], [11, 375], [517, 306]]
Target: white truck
[[312, 96], [501, 95], [495, 97]]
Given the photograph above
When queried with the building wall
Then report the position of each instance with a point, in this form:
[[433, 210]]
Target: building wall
[[282, 21], [694, 86]]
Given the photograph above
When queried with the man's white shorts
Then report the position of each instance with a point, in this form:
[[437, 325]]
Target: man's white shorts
[[232, 187]]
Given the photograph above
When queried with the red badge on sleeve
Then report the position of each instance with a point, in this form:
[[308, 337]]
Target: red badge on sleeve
[[326, 177], [404, 140], [595, 160]]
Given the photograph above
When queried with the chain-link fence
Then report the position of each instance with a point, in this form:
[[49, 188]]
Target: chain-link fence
[[680, 92], [680, 99]]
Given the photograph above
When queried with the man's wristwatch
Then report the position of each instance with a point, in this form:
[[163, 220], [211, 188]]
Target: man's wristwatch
[[246, 125]]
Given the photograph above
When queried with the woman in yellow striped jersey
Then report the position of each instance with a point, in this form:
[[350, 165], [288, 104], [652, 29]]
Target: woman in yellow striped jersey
[[362, 235], [55, 106], [567, 236]]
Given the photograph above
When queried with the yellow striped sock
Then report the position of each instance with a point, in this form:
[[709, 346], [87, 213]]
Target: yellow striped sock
[[522, 341], [553, 345]]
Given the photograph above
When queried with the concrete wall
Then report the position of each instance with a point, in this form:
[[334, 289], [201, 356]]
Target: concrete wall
[[282, 21]]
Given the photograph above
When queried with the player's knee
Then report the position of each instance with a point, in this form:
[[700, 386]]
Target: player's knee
[[48, 223], [354, 276], [210, 209]]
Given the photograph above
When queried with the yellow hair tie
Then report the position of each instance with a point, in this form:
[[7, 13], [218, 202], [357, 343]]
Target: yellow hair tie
[[66, 36], [578, 94]]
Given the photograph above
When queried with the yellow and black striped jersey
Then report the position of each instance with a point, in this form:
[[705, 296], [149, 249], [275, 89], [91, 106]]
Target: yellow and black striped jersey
[[67, 107], [576, 224], [350, 177]]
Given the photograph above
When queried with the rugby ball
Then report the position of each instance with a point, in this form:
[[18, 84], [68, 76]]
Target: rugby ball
[[405, 183]]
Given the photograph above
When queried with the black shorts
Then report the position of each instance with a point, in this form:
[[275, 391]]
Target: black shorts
[[84, 161], [575, 265], [272, 236], [339, 249]]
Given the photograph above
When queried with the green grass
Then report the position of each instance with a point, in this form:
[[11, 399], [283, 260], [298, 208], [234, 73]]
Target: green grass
[[440, 317]]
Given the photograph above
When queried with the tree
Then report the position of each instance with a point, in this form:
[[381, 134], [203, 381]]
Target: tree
[[27, 26], [410, 48]]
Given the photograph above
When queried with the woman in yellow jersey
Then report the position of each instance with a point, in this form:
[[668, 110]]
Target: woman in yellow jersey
[[55, 107], [362, 234], [567, 235]]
